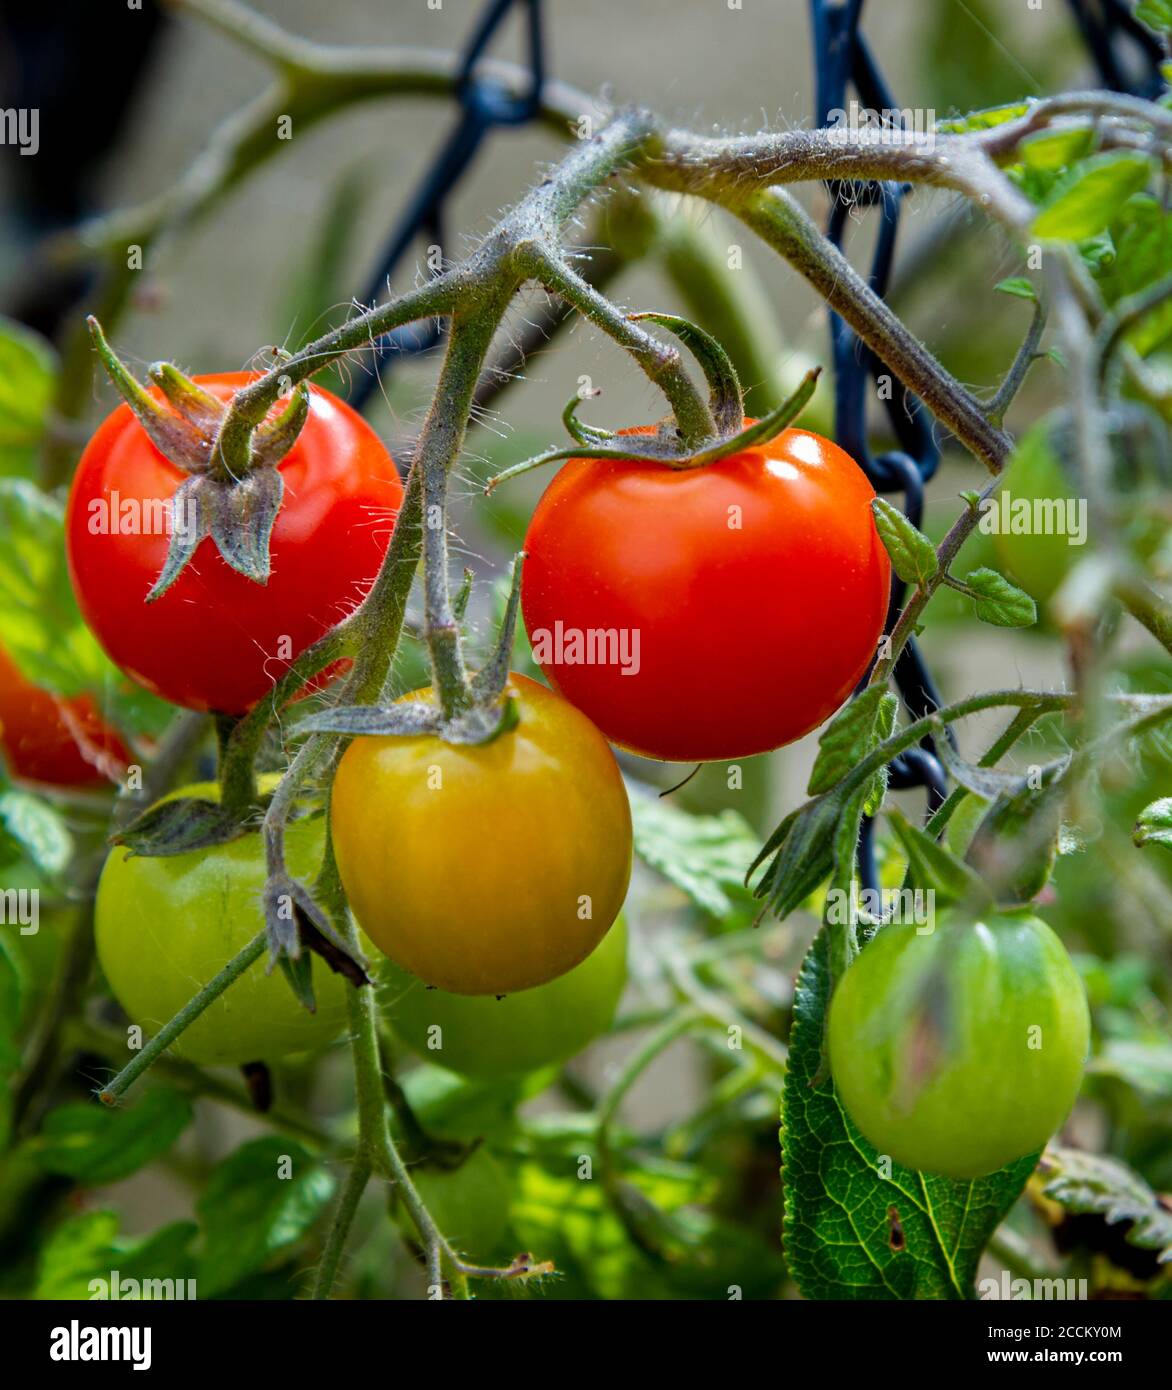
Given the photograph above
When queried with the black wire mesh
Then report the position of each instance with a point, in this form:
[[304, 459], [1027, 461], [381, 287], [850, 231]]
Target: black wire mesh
[[484, 106], [1126, 57]]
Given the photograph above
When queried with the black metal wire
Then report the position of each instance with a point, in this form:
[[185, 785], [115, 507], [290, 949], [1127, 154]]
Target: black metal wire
[[1108, 30], [844, 61], [484, 105]]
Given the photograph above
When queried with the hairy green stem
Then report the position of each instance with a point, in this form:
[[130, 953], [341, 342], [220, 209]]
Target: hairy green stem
[[343, 1219], [112, 1091]]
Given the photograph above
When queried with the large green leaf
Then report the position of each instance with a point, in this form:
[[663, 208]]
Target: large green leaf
[[1086, 1183], [259, 1202], [30, 827], [94, 1144], [1088, 196], [848, 1232], [28, 370], [89, 1247], [704, 856], [40, 623], [39, 620]]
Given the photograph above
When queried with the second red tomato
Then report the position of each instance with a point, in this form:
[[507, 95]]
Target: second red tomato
[[713, 612], [217, 640]]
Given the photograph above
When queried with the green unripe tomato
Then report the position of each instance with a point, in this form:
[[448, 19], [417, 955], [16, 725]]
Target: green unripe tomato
[[166, 926], [469, 1204], [959, 1051], [489, 1038]]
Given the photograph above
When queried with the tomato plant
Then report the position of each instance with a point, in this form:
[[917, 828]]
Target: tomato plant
[[635, 593], [331, 993], [215, 640], [959, 1050], [164, 927], [61, 742], [493, 1038], [549, 788]]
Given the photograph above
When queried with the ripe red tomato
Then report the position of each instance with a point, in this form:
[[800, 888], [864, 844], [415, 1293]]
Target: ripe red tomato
[[48, 738], [711, 612], [216, 640]]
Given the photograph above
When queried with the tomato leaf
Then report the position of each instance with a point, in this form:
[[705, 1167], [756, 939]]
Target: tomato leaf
[[1093, 1183], [848, 1232], [1085, 200], [999, 602], [89, 1248], [1156, 14], [40, 624], [853, 732], [913, 556], [94, 1144], [28, 372], [1020, 288], [259, 1202], [1056, 149], [1154, 825], [706, 857], [30, 826], [983, 120], [805, 854]]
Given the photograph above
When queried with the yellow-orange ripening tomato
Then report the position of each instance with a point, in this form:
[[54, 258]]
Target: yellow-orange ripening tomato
[[491, 868], [166, 926]]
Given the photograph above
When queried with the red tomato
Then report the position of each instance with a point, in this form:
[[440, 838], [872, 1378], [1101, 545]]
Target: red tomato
[[216, 640], [707, 613], [47, 738]]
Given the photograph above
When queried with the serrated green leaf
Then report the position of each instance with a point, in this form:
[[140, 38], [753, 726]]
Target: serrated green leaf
[[853, 732], [805, 856], [1154, 824], [983, 120], [259, 1202], [706, 857], [1056, 149], [1144, 1066], [30, 826], [28, 373], [913, 556], [1085, 200], [999, 602], [841, 1216], [1019, 287], [95, 1144], [1094, 1183]]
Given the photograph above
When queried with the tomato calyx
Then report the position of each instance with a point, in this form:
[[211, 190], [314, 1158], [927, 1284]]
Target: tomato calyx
[[492, 710], [234, 489], [662, 446], [179, 826], [297, 929]]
